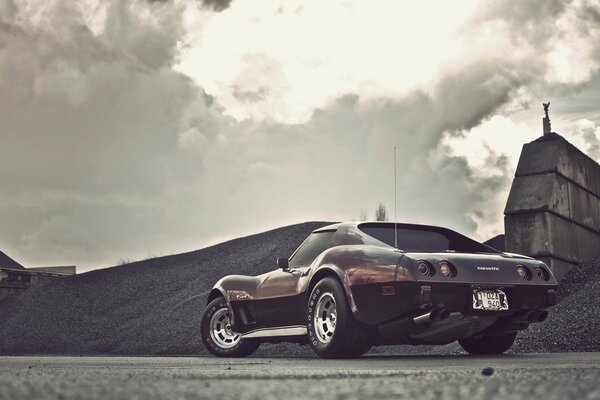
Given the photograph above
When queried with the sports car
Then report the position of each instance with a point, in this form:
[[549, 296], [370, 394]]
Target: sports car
[[351, 286]]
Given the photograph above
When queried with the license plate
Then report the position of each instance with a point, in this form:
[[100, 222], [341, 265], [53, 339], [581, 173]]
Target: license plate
[[490, 300]]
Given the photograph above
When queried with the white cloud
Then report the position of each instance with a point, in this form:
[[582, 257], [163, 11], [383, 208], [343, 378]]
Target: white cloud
[[311, 53], [585, 134], [496, 136], [291, 115], [571, 59], [491, 150]]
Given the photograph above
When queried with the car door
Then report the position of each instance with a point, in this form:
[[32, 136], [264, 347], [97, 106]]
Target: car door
[[280, 302]]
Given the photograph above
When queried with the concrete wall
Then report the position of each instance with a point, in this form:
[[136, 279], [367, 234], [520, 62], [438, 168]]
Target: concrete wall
[[553, 209]]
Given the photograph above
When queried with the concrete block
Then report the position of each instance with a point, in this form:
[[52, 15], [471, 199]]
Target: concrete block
[[542, 234], [598, 212], [539, 192], [554, 154], [596, 205], [564, 238], [527, 234], [558, 267], [593, 176], [539, 157], [590, 245], [573, 164], [595, 212], [583, 208]]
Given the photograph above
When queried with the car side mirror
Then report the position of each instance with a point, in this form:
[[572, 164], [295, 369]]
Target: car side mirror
[[283, 263]]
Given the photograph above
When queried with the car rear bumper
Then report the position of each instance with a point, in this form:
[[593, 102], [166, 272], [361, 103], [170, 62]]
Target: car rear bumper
[[377, 303]]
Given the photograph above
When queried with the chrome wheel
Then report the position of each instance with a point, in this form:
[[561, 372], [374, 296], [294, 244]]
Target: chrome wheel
[[325, 317], [220, 330]]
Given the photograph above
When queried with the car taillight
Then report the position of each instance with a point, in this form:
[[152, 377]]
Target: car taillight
[[425, 268], [542, 273], [523, 272], [447, 269]]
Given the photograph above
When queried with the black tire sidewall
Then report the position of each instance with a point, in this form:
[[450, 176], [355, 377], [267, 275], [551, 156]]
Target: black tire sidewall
[[328, 285], [488, 344], [239, 350]]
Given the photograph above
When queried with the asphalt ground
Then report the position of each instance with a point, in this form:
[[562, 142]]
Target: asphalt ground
[[513, 376]]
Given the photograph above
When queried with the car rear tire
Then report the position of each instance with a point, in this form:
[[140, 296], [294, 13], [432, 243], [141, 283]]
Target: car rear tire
[[488, 344], [217, 335], [332, 330]]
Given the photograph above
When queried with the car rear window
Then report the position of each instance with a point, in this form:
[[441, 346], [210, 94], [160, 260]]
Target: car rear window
[[421, 239]]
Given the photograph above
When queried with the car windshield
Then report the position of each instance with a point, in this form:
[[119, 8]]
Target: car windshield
[[314, 245], [423, 239]]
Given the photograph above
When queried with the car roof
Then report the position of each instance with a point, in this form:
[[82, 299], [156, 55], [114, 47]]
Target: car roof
[[334, 227], [359, 224], [328, 228]]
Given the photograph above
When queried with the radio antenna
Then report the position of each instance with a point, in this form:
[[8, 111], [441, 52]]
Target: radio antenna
[[395, 204]]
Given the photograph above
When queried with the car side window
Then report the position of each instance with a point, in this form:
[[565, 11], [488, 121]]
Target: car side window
[[316, 243]]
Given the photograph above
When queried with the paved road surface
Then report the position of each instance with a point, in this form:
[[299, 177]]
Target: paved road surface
[[522, 376]]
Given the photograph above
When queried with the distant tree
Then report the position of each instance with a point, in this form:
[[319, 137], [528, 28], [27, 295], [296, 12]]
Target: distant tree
[[381, 213], [363, 215]]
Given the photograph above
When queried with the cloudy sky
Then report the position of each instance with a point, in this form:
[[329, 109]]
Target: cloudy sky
[[131, 129]]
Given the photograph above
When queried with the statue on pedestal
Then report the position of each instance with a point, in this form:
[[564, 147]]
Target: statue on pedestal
[[546, 119]]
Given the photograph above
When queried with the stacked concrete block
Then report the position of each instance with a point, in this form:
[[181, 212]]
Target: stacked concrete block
[[553, 209]]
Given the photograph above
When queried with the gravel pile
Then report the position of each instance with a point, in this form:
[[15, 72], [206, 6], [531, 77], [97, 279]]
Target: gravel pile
[[574, 323], [154, 306], [148, 307], [580, 276]]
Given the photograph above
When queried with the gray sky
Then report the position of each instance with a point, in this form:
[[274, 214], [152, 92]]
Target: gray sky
[[134, 129]]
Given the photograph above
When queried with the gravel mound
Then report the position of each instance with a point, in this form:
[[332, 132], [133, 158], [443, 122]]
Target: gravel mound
[[154, 306], [148, 307], [497, 242], [574, 323], [579, 277]]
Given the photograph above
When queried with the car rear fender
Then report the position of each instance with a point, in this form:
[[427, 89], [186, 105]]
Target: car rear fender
[[332, 270], [215, 293]]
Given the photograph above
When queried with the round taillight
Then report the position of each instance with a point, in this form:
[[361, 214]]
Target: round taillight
[[447, 269], [424, 268], [523, 272], [541, 273]]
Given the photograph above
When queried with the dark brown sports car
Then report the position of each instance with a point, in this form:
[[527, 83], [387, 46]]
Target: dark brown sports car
[[349, 287]]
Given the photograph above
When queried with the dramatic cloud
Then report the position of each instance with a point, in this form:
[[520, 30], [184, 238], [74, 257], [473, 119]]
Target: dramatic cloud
[[217, 5], [142, 128], [585, 134], [90, 122]]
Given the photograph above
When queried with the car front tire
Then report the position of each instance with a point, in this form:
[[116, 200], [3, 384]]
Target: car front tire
[[217, 335], [332, 330], [488, 344]]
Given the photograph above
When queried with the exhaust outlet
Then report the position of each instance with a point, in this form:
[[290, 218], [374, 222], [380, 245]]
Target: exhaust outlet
[[423, 319], [433, 315]]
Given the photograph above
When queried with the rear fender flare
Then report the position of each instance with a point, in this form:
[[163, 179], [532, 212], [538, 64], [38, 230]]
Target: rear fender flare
[[215, 293], [338, 274]]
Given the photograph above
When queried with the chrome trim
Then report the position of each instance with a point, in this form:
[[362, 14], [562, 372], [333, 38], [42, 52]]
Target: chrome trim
[[220, 330], [274, 332], [325, 317]]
